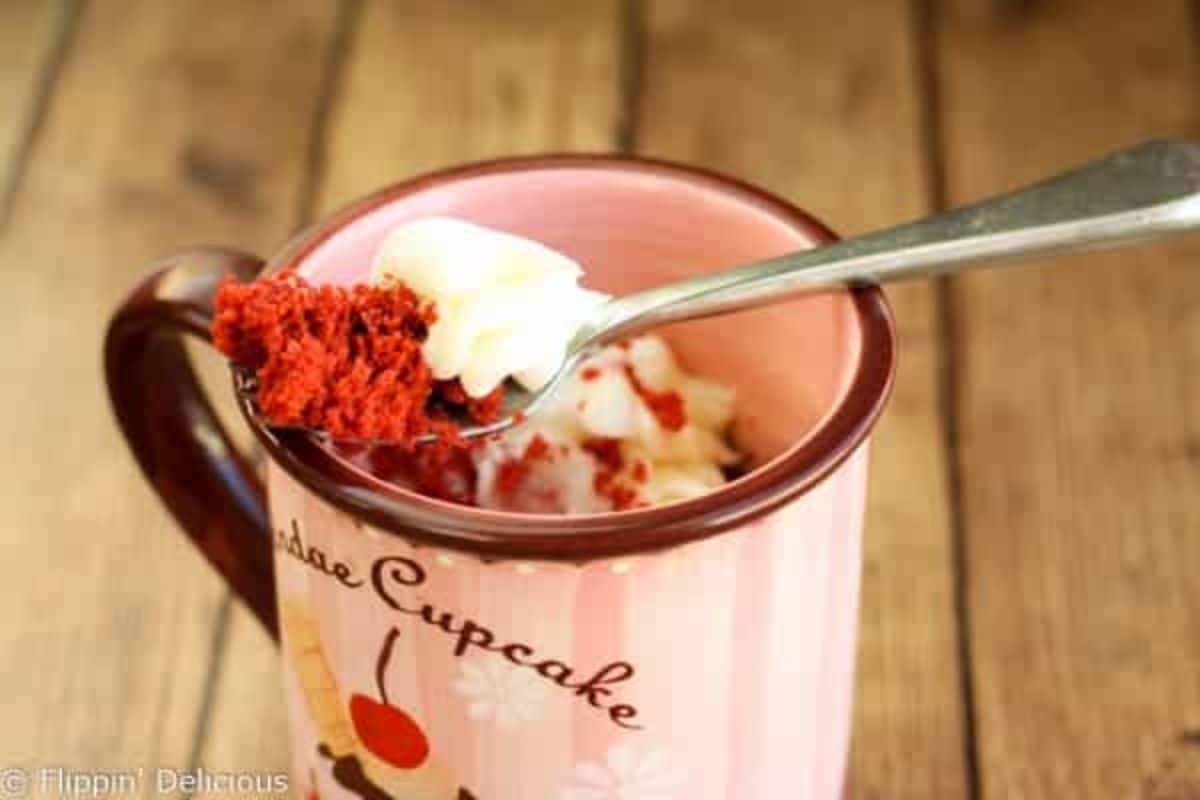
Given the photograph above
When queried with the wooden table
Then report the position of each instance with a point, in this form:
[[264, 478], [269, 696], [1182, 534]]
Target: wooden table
[[1031, 610]]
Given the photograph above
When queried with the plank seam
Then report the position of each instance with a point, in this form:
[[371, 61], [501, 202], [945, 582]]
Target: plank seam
[[1193, 15], [212, 681], [342, 45], [948, 327], [48, 74], [632, 42]]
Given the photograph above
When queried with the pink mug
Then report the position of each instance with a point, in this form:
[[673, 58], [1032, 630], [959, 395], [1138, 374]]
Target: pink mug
[[701, 650]]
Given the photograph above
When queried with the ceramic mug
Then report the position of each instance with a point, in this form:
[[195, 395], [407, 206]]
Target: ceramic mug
[[701, 650]]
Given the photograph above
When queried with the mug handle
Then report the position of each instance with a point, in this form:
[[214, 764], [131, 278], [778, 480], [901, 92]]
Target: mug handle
[[172, 430]]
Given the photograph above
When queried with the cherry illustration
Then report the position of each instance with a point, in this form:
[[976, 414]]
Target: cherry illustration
[[389, 733]]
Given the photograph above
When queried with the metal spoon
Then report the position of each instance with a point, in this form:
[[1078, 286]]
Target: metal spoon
[[1143, 193]]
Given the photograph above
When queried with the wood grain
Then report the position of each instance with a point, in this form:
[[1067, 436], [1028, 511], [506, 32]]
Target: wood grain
[[433, 86], [171, 123], [425, 86], [1077, 404], [824, 107], [31, 36], [1178, 775]]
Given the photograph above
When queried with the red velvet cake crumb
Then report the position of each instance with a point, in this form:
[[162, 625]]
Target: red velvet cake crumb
[[345, 360], [609, 462], [621, 496], [607, 453], [666, 406], [512, 473], [441, 471], [589, 373], [537, 448]]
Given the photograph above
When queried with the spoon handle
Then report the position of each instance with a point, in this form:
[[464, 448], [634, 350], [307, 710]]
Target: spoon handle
[[1142, 193]]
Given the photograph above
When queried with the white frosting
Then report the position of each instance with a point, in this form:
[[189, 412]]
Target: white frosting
[[677, 464], [506, 306]]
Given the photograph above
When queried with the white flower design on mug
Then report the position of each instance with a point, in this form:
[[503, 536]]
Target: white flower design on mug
[[627, 774], [501, 692]]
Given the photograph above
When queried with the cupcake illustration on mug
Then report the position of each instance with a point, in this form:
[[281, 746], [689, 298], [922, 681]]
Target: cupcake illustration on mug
[[379, 751]]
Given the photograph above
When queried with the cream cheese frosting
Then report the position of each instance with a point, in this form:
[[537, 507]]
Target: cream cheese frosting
[[629, 428], [506, 306], [605, 401]]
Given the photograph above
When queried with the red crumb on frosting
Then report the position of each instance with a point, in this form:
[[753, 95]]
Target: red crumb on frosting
[[621, 496], [640, 472], [512, 473], [666, 406], [345, 360], [479, 409], [589, 373], [609, 462], [440, 471], [510, 476], [607, 453], [537, 448]]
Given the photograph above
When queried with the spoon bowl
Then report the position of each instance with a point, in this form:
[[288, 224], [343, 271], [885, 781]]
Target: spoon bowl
[[518, 404]]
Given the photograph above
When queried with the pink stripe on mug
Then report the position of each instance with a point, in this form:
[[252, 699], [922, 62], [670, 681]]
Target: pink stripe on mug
[[700, 650]]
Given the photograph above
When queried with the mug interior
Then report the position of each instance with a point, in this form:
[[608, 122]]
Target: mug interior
[[791, 364]]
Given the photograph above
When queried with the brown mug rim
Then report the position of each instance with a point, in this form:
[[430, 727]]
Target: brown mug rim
[[492, 534]]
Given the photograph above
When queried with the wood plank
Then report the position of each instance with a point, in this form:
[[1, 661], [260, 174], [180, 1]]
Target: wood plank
[[1178, 775], [429, 85], [165, 129], [31, 38], [1079, 434], [432, 86], [823, 106]]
